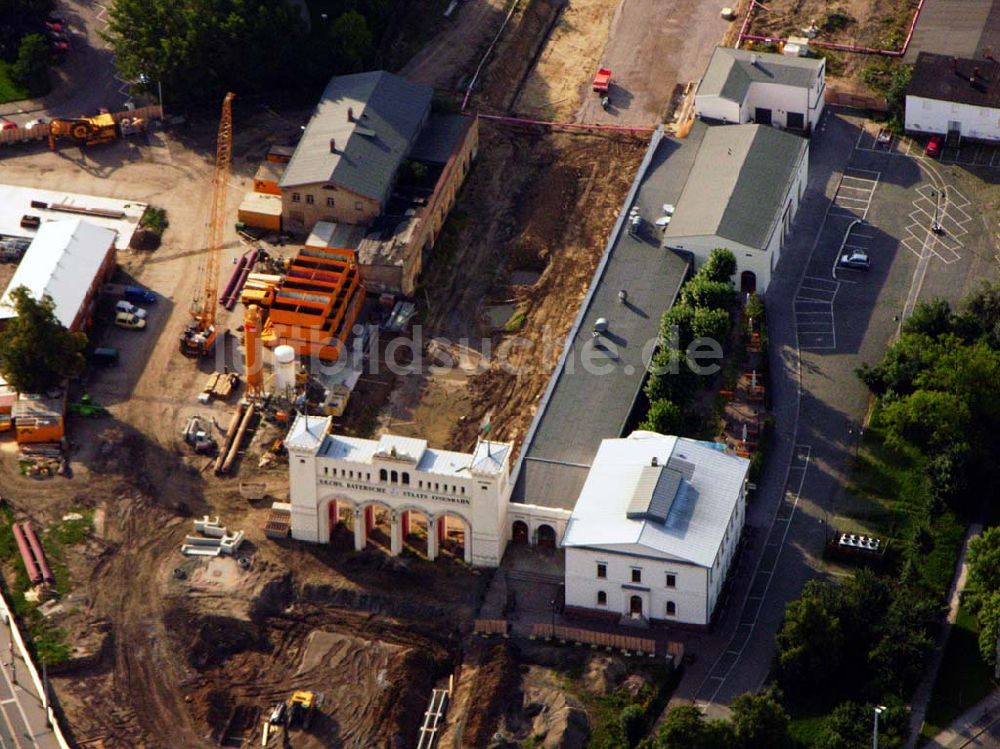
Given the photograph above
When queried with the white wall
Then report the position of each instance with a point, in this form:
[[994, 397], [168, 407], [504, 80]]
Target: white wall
[[932, 116], [727, 551], [717, 108], [690, 594], [780, 99]]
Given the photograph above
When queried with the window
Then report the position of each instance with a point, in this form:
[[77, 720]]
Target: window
[[636, 575], [310, 199], [463, 490], [296, 198], [602, 598], [420, 483], [368, 477], [358, 206], [671, 608], [671, 580], [602, 569], [383, 474], [406, 478], [329, 202], [326, 471], [395, 477]]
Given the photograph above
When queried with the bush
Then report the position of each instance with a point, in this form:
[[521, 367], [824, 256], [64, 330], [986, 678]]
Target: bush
[[664, 417], [711, 323], [720, 266], [155, 220], [702, 291], [31, 69], [632, 721]]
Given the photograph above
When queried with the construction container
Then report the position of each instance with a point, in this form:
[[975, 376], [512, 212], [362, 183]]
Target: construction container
[[261, 211], [39, 419], [267, 178]]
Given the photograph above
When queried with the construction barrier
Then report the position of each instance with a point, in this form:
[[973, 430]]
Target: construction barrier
[[624, 643], [8, 617], [855, 101], [41, 132], [492, 627]]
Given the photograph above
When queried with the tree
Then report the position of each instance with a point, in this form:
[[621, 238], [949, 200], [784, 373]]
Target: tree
[[32, 67], [982, 589], [754, 309], [632, 721], [849, 726], [929, 419], [711, 323], [200, 48], [933, 318], [760, 721], [701, 291], [684, 727], [810, 642], [720, 266], [903, 362], [352, 41], [36, 351], [947, 474], [664, 417], [675, 326], [670, 377]]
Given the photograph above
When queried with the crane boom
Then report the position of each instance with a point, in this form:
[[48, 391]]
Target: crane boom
[[199, 338]]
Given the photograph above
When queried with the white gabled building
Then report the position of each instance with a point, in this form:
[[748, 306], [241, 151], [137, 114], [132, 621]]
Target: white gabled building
[[741, 86], [655, 529], [346, 479], [742, 193], [954, 96]]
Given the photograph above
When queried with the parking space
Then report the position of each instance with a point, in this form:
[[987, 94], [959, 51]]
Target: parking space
[[986, 155], [854, 193], [945, 208]]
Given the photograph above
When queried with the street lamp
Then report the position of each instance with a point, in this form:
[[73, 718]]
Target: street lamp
[[878, 712], [856, 435]]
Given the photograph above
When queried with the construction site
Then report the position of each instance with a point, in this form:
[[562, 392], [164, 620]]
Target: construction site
[[179, 611]]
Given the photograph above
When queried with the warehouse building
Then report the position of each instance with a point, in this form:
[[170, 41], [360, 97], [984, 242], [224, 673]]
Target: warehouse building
[[655, 529], [742, 194], [67, 261], [955, 97], [740, 86], [374, 155]]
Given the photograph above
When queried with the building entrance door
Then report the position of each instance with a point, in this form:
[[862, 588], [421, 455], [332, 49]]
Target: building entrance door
[[635, 606]]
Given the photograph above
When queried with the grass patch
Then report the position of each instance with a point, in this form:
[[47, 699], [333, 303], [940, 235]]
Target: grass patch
[[890, 497], [516, 322], [9, 90], [964, 679]]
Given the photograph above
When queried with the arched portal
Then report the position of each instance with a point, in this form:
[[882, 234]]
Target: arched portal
[[748, 282], [635, 606], [414, 530], [375, 526], [546, 536], [454, 536], [519, 532]]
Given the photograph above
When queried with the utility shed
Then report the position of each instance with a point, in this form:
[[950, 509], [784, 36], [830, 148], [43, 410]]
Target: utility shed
[[742, 194], [39, 419], [261, 211], [955, 97], [741, 86], [68, 261]]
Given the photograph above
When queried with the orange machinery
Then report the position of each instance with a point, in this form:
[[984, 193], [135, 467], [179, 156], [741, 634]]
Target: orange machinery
[[198, 339], [316, 304], [253, 350]]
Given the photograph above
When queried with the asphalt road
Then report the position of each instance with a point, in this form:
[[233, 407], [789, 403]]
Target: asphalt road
[[85, 81], [823, 323]]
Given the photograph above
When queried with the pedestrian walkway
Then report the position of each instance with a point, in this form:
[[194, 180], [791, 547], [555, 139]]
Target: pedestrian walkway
[[970, 725]]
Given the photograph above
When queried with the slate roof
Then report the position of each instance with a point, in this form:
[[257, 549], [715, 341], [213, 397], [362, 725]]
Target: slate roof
[[731, 71], [737, 184], [438, 140], [388, 112], [955, 79], [707, 488]]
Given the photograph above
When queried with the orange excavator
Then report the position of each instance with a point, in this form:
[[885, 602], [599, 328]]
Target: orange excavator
[[84, 131], [198, 339]]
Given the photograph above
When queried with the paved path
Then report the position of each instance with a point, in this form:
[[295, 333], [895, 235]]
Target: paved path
[[922, 696], [22, 719], [978, 727]]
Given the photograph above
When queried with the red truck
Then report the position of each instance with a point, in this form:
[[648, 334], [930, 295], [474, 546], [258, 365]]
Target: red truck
[[602, 80]]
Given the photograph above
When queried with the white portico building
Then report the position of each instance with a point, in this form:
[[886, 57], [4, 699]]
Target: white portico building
[[400, 484]]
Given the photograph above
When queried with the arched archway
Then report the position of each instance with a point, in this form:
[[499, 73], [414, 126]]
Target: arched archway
[[519, 532], [748, 282], [375, 520], [635, 606], [337, 521], [545, 536], [414, 530], [454, 535]]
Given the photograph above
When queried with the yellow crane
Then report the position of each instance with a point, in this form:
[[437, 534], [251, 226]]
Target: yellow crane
[[198, 338]]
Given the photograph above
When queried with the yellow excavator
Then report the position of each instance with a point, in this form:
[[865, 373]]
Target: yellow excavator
[[88, 131]]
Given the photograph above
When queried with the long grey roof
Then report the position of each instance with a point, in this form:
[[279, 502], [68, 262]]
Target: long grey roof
[[731, 71], [388, 114], [737, 184]]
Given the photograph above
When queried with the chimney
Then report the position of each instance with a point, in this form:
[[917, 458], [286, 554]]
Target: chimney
[[333, 145], [654, 462], [350, 114], [753, 59]]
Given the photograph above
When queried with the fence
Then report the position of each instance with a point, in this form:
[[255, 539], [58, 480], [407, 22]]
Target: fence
[[41, 132], [855, 101], [624, 643], [487, 627], [15, 633]]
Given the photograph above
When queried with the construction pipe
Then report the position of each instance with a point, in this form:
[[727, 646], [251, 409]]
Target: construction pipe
[[29, 563], [244, 268], [36, 547], [238, 440], [231, 283], [230, 433]]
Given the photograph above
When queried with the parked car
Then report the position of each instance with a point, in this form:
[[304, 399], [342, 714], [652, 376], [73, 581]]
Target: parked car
[[8, 125], [59, 46], [139, 295], [855, 260], [54, 26], [131, 309], [129, 321], [933, 148], [105, 356]]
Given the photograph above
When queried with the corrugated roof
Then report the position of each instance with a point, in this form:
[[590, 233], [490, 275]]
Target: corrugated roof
[[336, 236], [737, 184], [63, 260], [731, 71], [654, 493], [709, 483], [391, 108]]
